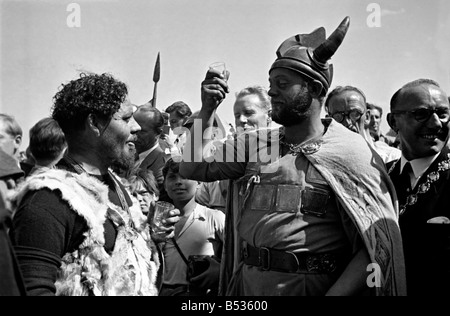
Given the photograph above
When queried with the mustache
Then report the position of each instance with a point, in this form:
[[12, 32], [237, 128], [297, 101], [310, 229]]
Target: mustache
[[132, 138]]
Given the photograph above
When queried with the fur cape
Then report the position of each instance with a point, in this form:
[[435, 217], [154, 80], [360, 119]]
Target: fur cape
[[131, 269]]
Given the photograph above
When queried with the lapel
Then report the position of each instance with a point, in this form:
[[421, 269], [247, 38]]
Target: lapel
[[396, 180], [151, 158]]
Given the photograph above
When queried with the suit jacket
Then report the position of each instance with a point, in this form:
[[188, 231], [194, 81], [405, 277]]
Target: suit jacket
[[155, 162], [426, 246]]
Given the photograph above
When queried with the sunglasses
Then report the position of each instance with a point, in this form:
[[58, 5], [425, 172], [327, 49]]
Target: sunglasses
[[354, 115], [423, 115]]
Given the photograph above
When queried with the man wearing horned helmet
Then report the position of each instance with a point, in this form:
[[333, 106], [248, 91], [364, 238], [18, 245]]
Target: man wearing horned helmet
[[316, 212]]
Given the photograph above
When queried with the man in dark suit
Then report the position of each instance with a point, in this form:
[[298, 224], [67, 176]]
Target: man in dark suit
[[420, 114], [11, 282], [150, 154]]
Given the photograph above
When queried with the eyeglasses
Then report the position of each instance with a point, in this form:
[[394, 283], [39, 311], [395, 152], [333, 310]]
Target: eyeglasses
[[423, 115], [354, 115]]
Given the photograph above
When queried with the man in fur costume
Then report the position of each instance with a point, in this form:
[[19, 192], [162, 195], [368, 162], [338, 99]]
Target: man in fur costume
[[316, 209], [75, 229]]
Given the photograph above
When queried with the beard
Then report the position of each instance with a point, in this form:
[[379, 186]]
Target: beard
[[293, 111], [121, 158], [124, 162]]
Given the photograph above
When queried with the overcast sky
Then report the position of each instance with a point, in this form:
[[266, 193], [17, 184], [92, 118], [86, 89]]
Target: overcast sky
[[43, 44]]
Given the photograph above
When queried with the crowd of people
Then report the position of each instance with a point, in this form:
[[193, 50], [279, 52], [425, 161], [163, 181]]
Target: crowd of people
[[314, 206]]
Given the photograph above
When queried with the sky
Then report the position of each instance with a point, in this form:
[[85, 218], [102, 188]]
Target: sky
[[45, 43]]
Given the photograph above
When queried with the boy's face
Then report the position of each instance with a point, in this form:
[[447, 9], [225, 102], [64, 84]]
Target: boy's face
[[178, 188]]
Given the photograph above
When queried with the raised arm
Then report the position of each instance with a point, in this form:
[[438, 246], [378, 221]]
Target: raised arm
[[213, 91]]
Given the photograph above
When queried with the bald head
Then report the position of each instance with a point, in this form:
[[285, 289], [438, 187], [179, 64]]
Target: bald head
[[149, 117], [151, 121], [411, 90]]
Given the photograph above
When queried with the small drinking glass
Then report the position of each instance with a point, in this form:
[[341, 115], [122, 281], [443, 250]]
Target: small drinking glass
[[219, 66], [161, 210]]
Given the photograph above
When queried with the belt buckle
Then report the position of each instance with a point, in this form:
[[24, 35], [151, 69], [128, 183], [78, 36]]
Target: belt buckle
[[261, 259], [322, 263], [328, 262]]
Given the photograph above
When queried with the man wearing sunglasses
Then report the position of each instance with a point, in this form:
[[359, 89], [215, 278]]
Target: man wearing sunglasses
[[420, 115], [347, 105]]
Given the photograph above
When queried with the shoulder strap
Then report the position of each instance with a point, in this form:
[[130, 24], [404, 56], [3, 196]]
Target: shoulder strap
[[180, 252]]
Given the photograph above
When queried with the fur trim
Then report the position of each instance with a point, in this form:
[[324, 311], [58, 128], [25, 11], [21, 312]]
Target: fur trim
[[87, 196]]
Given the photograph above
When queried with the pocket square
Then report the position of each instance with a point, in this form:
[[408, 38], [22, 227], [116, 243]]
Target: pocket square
[[439, 220]]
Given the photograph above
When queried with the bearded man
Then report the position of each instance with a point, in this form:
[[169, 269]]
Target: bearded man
[[313, 214], [75, 229]]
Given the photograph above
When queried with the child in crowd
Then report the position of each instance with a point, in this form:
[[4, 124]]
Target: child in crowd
[[142, 185], [198, 240]]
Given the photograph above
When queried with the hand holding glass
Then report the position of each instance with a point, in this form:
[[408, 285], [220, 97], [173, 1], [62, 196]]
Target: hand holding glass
[[160, 212], [220, 66]]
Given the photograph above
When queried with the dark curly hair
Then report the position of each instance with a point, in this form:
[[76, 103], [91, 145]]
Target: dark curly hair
[[172, 166], [101, 95]]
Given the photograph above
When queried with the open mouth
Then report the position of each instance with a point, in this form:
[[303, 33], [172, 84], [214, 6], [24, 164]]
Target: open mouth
[[430, 137], [434, 136], [131, 142]]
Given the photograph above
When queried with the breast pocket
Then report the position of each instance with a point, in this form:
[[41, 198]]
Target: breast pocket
[[288, 198], [262, 197], [314, 201]]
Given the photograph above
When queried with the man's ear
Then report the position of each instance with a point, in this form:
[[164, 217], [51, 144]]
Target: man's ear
[[315, 88], [367, 119], [392, 122], [93, 124]]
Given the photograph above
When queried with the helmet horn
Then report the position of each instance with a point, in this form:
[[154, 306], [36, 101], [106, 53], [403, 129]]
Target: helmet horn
[[327, 49]]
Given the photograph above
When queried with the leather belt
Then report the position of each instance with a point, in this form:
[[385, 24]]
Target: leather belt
[[285, 261]]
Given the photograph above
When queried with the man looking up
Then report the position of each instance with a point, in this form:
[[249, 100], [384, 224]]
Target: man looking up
[[313, 216]]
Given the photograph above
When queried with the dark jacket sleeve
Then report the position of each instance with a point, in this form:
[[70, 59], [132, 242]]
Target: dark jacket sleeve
[[44, 229], [11, 283]]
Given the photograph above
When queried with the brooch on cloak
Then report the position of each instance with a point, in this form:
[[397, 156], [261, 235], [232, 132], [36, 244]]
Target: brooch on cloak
[[308, 148]]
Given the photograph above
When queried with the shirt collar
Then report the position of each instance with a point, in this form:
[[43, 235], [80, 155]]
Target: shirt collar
[[420, 165], [144, 154]]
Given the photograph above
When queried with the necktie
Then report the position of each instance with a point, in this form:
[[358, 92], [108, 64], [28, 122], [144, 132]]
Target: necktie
[[405, 177]]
